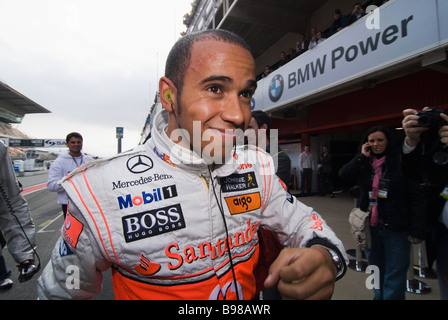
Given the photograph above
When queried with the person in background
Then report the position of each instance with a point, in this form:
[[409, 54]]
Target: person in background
[[317, 37], [339, 22], [325, 172], [306, 168], [267, 71], [357, 13], [390, 190], [284, 59], [17, 229], [303, 43], [432, 137], [64, 164]]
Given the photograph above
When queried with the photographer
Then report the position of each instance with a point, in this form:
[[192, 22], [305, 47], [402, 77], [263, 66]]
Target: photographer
[[428, 130]]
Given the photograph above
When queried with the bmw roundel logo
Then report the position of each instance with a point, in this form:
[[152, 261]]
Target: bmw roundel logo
[[139, 164], [276, 88]]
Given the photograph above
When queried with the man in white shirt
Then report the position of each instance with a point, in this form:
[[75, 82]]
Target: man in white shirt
[[64, 164], [306, 168]]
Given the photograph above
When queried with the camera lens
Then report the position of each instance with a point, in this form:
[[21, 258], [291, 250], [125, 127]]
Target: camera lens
[[425, 120], [440, 158]]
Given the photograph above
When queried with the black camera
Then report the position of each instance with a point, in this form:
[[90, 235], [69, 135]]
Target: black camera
[[431, 118]]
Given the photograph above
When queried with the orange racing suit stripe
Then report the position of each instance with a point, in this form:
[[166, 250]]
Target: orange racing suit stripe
[[213, 288]]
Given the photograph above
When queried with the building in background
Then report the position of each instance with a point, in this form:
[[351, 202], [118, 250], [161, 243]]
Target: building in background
[[13, 108], [391, 58]]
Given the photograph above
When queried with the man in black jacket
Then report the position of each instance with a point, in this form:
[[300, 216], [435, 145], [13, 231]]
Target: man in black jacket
[[434, 169]]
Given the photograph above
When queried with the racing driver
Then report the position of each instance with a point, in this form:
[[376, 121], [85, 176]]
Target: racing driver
[[177, 217]]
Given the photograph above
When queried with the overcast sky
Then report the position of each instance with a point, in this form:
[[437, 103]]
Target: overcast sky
[[94, 64]]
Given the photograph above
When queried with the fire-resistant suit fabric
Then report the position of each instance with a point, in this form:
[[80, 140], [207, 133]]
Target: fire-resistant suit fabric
[[172, 227], [14, 210]]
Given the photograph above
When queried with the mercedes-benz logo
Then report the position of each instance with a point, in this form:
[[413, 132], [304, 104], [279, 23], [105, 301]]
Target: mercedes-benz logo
[[139, 164], [276, 88]]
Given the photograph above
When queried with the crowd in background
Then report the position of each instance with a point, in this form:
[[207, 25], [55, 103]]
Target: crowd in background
[[339, 22]]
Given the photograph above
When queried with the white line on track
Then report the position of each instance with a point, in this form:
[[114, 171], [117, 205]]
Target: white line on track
[[49, 223]]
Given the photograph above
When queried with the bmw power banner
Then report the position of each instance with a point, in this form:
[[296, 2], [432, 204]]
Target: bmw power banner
[[397, 31]]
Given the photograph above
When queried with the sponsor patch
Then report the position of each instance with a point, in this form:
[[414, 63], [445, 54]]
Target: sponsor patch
[[245, 166], [122, 184], [145, 198], [139, 164], [181, 253], [239, 182], [317, 223], [72, 230], [289, 197], [64, 249], [146, 267], [163, 156], [152, 223], [244, 203]]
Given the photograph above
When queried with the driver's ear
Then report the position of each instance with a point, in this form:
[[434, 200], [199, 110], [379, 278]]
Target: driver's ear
[[167, 93]]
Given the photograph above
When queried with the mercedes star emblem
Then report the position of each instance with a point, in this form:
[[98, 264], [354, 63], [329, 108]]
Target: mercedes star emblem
[[139, 164]]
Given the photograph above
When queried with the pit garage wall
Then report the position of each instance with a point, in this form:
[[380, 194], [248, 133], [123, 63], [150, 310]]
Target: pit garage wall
[[341, 121], [381, 104]]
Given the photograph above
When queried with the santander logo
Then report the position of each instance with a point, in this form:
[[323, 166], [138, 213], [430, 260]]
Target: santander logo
[[146, 267]]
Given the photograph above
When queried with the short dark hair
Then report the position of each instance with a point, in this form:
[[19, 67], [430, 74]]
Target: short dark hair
[[391, 144], [179, 57], [73, 135], [262, 118]]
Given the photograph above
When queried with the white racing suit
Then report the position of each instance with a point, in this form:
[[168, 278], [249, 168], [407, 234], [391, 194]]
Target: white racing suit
[[162, 223], [14, 210]]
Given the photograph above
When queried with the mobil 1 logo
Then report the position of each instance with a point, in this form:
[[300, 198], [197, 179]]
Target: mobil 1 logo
[[153, 222]]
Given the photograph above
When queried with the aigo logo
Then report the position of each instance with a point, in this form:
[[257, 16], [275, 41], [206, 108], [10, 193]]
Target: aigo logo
[[243, 203]]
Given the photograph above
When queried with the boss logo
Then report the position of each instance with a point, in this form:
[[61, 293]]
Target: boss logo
[[152, 223]]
